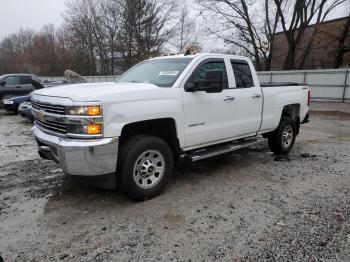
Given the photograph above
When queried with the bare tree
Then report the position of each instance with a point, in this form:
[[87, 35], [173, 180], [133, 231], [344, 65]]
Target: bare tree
[[127, 30], [111, 24], [186, 32], [79, 25], [14, 55], [239, 24], [343, 44], [145, 28], [295, 22], [270, 26]]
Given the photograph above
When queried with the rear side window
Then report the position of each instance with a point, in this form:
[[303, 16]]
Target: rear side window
[[23, 80], [243, 75]]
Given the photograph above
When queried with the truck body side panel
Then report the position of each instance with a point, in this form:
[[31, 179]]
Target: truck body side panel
[[276, 98], [147, 105]]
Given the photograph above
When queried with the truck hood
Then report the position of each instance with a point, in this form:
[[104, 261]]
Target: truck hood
[[94, 91]]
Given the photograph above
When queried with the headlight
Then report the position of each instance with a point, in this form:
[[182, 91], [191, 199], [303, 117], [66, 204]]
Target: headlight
[[25, 105], [84, 110], [85, 120], [8, 102]]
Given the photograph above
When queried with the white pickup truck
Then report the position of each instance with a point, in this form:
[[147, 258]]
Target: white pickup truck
[[161, 112]]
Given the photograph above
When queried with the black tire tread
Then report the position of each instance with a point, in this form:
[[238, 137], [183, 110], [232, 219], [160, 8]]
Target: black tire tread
[[122, 184], [274, 138]]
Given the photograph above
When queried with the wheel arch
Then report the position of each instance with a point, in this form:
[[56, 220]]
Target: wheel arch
[[164, 128], [292, 111]]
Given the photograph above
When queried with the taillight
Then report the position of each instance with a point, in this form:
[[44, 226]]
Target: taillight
[[308, 97]]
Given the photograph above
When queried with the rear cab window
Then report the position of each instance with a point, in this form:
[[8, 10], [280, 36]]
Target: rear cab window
[[242, 73]]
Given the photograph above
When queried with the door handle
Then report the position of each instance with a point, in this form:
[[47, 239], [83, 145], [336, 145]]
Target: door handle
[[18, 87], [229, 98], [256, 96]]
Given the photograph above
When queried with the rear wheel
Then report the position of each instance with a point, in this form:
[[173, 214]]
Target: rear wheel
[[145, 167], [281, 141]]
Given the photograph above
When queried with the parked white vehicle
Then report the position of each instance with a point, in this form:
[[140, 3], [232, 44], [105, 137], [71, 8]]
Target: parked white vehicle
[[163, 111]]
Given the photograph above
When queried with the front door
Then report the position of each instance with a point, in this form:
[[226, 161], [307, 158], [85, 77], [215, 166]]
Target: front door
[[11, 87], [16, 86], [209, 117]]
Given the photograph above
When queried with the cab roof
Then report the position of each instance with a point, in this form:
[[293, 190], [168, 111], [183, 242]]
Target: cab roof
[[196, 55], [16, 75]]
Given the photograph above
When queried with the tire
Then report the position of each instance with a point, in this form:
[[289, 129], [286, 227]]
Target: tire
[[145, 166], [281, 140]]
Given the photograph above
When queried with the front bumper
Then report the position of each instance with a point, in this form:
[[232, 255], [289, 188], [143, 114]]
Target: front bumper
[[10, 107], [79, 157]]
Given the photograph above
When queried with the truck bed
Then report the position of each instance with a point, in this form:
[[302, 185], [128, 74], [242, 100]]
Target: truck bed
[[273, 84], [276, 96]]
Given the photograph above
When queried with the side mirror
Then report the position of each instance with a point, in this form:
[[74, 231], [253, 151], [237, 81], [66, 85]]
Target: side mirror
[[2, 83], [213, 82], [190, 86]]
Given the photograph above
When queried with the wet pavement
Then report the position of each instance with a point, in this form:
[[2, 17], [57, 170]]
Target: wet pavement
[[246, 206]]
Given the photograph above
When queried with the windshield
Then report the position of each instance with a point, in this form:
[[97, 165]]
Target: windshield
[[160, 72]]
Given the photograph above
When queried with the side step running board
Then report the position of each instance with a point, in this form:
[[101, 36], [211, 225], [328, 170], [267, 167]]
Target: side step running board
[[221, 149]]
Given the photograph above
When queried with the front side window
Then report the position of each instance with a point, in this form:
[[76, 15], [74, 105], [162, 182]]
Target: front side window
[[12, 80], [243, 75], [217, 64], [160, 72]]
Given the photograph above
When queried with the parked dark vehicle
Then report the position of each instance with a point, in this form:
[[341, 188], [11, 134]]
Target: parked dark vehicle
[[25, 110], [9, 93], [11, 104], [15, 88], [18, 85]]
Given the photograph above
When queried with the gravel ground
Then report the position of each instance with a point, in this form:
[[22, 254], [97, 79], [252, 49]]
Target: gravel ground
[[245, 206]]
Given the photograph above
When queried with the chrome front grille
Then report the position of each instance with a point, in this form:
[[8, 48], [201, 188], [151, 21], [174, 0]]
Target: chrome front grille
[[50, 117], [53, 109]]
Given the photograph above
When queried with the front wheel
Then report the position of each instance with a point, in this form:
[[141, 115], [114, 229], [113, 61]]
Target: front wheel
[[282, 139], [146, 165]]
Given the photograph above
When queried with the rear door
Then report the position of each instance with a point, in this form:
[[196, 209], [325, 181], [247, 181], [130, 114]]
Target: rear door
[[248, 99], [26, 85]]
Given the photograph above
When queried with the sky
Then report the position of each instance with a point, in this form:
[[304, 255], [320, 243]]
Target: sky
[[33, 14]]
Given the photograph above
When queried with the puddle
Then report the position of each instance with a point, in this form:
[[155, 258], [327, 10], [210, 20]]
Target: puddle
[[283, 158], [172, 220]]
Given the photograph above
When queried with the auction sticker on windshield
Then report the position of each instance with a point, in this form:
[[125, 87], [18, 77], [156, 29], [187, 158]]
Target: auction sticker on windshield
[[168, 73]]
